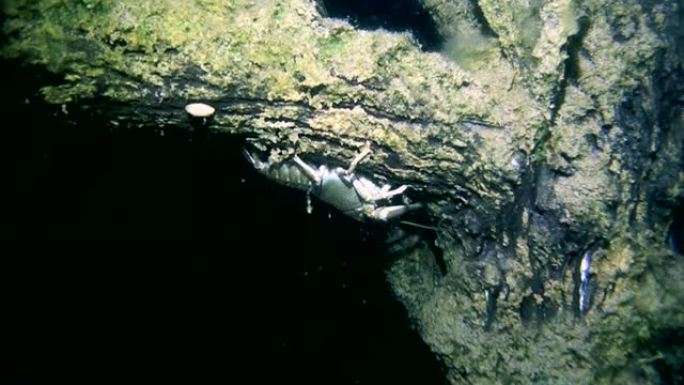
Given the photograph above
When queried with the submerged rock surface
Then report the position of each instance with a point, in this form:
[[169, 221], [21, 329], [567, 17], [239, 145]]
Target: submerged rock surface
[[542, 135]]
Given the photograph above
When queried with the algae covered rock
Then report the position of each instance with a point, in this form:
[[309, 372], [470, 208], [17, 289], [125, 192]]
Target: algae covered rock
[[511, 308], [546, 138]]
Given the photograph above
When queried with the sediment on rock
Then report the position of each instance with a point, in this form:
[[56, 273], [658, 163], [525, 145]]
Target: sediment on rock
[[538, 134]]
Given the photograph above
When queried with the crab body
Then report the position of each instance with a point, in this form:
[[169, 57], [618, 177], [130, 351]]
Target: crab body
[[286, 173], [338, 191], [353, 195]]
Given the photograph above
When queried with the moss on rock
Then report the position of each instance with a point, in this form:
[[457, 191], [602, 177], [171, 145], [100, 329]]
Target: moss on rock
[[543, 131]]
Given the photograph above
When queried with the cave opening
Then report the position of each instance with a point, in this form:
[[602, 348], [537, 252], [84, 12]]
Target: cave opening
[[392, 15], [260, 290]]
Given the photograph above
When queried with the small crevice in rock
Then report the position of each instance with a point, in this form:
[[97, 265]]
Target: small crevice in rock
[[485, 28], [574, 48], [492, 298], [676, 234], [572, 70]]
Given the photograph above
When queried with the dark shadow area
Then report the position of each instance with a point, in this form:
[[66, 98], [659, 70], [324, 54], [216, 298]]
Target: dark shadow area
[[485, 28], [261, 292], [571, 72], [398, 16], [667, 352]]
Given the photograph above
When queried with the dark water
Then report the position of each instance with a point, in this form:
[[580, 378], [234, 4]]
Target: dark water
[[256, 290]]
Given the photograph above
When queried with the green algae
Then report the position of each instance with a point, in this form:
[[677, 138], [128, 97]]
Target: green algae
[[519, 133]]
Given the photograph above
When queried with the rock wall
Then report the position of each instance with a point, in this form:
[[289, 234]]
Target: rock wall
[[603, 176], [542, 135]]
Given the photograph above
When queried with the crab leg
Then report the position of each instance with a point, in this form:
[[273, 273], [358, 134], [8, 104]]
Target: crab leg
[[370, 193], [388, 212], [309, 171], [387, 193], [359, 157], [255, 161]]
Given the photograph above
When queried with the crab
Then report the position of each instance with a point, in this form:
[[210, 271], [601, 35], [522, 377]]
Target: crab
[[354, 195]]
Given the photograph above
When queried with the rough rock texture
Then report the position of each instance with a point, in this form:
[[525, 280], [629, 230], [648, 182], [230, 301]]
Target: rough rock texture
[[604, 169], [543, 131]]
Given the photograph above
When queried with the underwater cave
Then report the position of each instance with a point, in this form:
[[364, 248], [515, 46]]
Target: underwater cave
[[261, 290]]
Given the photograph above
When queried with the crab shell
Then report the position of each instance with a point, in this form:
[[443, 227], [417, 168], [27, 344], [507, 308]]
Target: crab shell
[[286, 173], [335, 188]]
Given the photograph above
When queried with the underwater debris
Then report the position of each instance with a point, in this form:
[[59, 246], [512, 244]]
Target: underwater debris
[[200, 110], [585, 267]]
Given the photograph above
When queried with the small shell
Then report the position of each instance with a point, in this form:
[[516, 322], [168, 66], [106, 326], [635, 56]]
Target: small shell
[[585, 267], [200, 110]]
